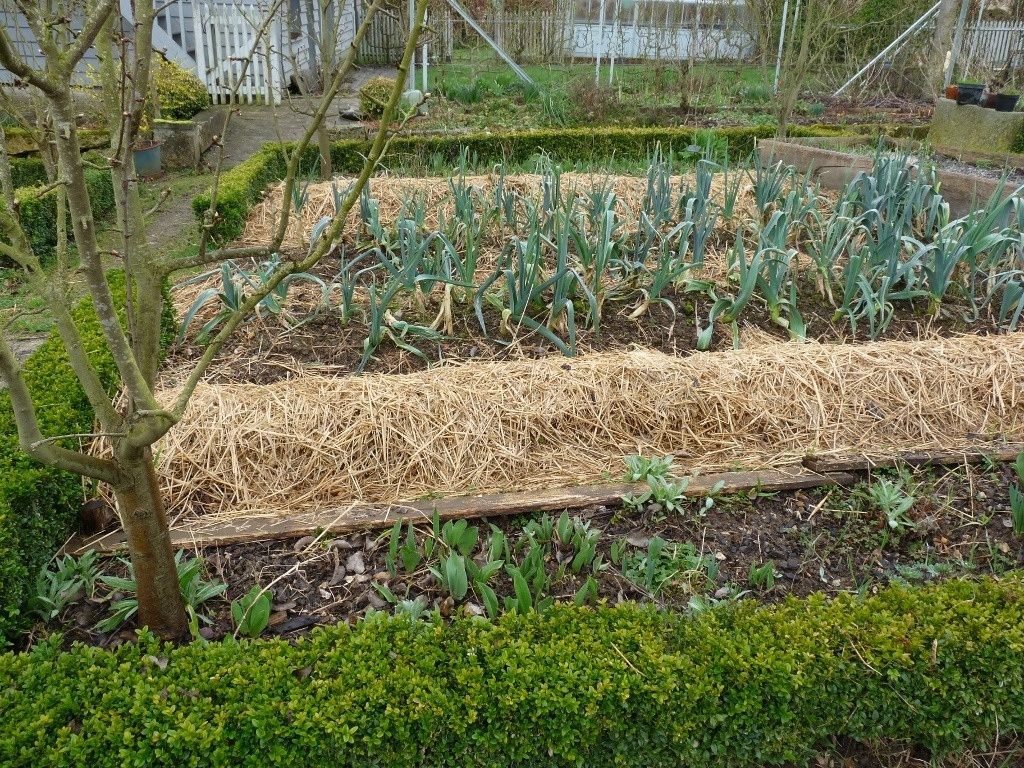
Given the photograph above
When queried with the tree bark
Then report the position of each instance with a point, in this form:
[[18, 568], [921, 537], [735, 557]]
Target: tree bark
[[941, 42], [161, 607]]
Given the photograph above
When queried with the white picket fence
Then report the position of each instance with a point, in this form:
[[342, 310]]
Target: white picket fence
[[988, 44], [237, 54]]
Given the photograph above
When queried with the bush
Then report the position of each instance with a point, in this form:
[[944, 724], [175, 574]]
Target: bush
[[39, 505], [939, 668], [38, 213], [374, 94], [182, 95]]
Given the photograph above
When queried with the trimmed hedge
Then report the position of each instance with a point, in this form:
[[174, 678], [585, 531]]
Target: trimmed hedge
[[939, 667], [39, 505], [242, 186], [38, 215], [27, 172]]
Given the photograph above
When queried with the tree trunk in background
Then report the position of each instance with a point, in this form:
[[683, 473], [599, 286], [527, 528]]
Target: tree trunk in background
[[941, 43], [794, 74], [161, 607]]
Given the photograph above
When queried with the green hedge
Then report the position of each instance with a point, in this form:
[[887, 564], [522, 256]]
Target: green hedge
[[940, 668], [38, 213], [27, 172], [39, 505], [242, 186]]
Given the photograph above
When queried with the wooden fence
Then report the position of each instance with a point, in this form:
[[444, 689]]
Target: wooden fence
[[228, 35], [988, 45]]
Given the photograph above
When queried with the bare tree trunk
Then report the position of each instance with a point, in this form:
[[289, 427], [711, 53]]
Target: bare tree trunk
[[941, 41], [795, 74], [161, 607]]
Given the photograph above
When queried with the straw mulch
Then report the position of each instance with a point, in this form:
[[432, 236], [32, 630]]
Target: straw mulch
[[391, 192], [309, 442]]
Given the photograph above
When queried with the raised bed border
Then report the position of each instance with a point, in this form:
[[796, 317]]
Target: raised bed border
[[834, 169], [815, 472]]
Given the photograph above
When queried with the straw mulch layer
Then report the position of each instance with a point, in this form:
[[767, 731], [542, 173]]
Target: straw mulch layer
[[392, 192], [315, 441]]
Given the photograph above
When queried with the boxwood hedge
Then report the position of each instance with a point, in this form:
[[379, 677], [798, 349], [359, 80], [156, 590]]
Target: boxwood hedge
[[939, 667], [39, 505], [38, 213], [242, 186]]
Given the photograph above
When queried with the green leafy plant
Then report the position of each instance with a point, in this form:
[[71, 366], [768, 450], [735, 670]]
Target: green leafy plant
[[669, 494], [251, 612], [640, 468], [180, 93], [67, 581], [194, 589], [892, 500], [664, 564], [762, 576], [374, 95]]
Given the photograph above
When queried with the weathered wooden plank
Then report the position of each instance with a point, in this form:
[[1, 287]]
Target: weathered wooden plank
[[372, 517], [855, 463]]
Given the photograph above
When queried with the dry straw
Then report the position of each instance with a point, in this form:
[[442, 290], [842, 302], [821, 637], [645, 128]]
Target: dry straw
[[391, 192], [315, 441]]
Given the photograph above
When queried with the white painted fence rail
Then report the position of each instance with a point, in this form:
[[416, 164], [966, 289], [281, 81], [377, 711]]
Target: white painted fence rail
[[989, 43], [229, 36]]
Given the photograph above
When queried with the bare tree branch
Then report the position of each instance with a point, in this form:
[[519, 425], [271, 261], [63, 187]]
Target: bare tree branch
[[31, 439]]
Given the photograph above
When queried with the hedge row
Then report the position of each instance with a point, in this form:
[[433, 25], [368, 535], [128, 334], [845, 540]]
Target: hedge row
[[940, 668], [39, 505], [242, 186], [38, 213]]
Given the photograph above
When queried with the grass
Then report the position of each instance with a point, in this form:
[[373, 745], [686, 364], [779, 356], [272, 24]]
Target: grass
[[480, 91]]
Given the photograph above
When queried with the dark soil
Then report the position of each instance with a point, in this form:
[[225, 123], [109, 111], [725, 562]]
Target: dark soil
[[821, 540], [264, 351]]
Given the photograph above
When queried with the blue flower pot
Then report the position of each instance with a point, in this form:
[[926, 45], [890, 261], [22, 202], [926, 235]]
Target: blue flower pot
[[147, 161]]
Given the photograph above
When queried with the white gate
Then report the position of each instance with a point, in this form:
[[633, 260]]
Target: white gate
[[238, 52]]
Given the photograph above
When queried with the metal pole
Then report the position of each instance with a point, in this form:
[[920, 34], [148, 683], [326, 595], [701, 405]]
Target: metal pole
[[891, 46], [410, 76], [782, 39], [958, 38], [520, 72], [426, 80], [974, 40]]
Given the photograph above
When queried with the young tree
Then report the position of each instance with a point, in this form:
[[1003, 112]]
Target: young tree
[[65, 30]]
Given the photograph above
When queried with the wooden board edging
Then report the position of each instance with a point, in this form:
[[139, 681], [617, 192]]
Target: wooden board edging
[[362, 517]]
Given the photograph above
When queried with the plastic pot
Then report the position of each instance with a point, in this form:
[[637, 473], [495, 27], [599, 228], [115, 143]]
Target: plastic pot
[[968, 93], [147, 160], [1006, 102]]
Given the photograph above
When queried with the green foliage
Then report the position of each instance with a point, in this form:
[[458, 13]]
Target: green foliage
[[38, 213], [762, 576], [181, 94], [194, 589], [938, 668], [1017, 497], [27, 172], [374, 95], [39, 505], [643, 468], [243, 186], [68, 581], [251, 612]]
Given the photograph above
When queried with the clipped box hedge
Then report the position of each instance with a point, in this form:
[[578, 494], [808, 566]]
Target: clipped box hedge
[[38, 213], [938, 667], [39, 505], [242, 186]]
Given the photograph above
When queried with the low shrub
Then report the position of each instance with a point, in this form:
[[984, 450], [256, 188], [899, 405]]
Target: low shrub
[[38, 213], [27, 171], [938, 668], [374, 94], [181, 94], [243, 186], [39, 505]]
